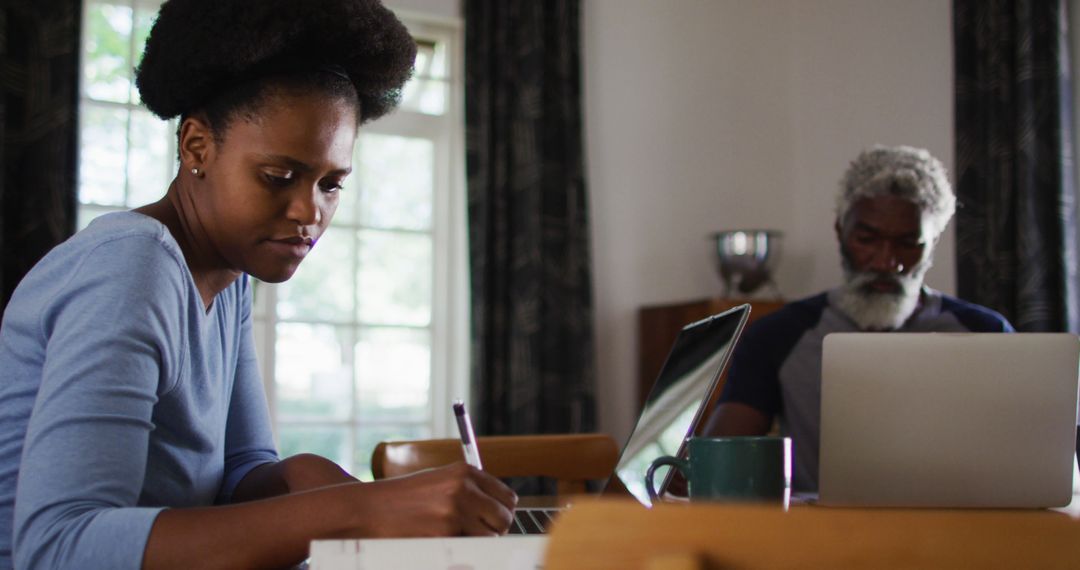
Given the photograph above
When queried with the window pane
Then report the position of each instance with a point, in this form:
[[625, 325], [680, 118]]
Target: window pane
[[148, 163], [428, 91], [322, 287], [367, 437], [396, 177], [102, 148], [87, 214], [312, 371], [259, 290], [331, 442], [393, 374], [348, 197], [144, 20], [107, 60], [430, 59], [394, 278], [426, 96]]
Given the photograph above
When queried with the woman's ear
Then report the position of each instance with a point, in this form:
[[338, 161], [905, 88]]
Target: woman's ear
[[196, 142]]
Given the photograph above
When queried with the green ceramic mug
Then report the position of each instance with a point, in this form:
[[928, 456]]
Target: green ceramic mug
[[732, 469]]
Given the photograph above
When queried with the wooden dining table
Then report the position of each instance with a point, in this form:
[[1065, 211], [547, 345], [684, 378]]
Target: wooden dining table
[[621, 533]]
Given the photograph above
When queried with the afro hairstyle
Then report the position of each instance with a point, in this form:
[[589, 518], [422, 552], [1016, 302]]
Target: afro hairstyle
[[201, 50]]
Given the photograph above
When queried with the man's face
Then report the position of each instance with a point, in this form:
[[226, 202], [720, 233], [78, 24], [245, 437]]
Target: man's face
[[886, 253]]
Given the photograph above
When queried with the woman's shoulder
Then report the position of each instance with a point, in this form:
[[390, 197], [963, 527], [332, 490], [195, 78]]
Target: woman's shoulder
[[123, 238], [119, 225], [123, 252]]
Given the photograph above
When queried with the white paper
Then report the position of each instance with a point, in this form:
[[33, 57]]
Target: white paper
[[465, 553]]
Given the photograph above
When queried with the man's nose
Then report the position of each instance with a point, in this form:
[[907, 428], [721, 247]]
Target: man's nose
[[885, 260]]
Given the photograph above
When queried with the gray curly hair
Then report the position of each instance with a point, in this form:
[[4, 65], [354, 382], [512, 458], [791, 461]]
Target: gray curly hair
[[903, 171]]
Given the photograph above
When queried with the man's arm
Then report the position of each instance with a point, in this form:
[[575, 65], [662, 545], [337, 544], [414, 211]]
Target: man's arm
[[736, 418]]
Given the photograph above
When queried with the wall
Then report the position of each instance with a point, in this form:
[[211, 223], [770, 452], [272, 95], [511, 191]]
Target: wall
[[703, 115], [448, 9]]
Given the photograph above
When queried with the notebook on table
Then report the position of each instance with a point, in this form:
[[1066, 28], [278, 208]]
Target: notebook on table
[[948, 419], [676, 405]]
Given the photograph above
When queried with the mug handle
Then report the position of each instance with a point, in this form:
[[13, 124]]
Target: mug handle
[[674, 462]]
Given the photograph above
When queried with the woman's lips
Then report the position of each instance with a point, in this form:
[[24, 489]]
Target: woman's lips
[[292, 246]]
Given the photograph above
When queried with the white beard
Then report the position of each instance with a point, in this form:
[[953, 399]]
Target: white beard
[[877, 311]]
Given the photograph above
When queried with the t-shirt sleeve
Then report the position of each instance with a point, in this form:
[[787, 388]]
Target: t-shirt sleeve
[[977, 318], [111, 335], [753, 377], [248, 436]]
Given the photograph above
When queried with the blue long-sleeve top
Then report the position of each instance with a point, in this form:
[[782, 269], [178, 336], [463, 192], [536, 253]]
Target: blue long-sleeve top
[[120, 395]]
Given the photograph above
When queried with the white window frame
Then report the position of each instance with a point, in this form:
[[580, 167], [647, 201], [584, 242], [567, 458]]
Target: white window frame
[[449, 327], [450, 334], [85, 100]]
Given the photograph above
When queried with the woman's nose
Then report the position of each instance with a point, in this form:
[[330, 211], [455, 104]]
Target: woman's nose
[[304, 208]]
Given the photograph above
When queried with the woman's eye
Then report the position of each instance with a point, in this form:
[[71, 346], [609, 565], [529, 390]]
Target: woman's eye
[[331, 187], [278, 181]]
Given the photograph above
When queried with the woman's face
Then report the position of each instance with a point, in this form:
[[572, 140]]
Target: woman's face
[[271, 184]]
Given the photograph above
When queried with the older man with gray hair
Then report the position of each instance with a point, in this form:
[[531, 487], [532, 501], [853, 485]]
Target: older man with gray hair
[[893, 205]]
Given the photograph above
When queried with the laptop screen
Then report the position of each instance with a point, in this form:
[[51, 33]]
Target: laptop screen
[[948, 419], [676, 404]]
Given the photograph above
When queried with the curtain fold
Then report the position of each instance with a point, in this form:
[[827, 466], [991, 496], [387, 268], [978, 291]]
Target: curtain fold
[[39, 70], [1016, 224], [532, 340]]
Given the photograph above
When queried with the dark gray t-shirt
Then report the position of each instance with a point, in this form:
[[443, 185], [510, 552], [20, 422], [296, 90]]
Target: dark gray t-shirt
[[776, 367]]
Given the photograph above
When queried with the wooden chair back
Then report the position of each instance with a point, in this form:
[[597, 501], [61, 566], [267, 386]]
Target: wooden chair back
[[570, 459]]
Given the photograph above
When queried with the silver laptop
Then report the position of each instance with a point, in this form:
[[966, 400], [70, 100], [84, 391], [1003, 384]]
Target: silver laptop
[[948, 419], [675, 407]]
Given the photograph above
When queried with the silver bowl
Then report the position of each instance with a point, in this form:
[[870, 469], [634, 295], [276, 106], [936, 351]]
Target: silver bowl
[[746, 258]]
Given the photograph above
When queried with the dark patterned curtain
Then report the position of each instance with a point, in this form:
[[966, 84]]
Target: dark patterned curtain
[[39, 58], [1016, 225], [532, 345]]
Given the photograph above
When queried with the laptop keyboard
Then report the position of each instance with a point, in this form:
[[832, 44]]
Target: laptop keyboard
[[532, 521]]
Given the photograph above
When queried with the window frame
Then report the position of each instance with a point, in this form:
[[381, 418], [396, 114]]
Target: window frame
[[449, 326], [130, 107]]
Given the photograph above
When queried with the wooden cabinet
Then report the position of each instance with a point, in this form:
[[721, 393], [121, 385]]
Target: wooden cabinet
[[658, 325]]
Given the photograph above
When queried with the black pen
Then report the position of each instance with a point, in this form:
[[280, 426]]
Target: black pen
[[468, 439]]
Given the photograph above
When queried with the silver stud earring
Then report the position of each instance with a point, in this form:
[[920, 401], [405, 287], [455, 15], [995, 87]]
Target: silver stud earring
[[196, 171]]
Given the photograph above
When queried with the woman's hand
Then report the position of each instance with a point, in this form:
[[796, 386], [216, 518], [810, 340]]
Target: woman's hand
[[449, 501]]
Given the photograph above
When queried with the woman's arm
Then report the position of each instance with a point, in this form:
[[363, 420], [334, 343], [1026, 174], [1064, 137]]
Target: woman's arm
[[296, 474], [449, 501]]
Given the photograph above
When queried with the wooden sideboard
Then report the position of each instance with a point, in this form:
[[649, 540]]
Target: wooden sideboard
[[658, 325]]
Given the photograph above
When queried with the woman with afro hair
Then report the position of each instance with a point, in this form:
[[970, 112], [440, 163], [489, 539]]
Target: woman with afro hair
[[133, 426]]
